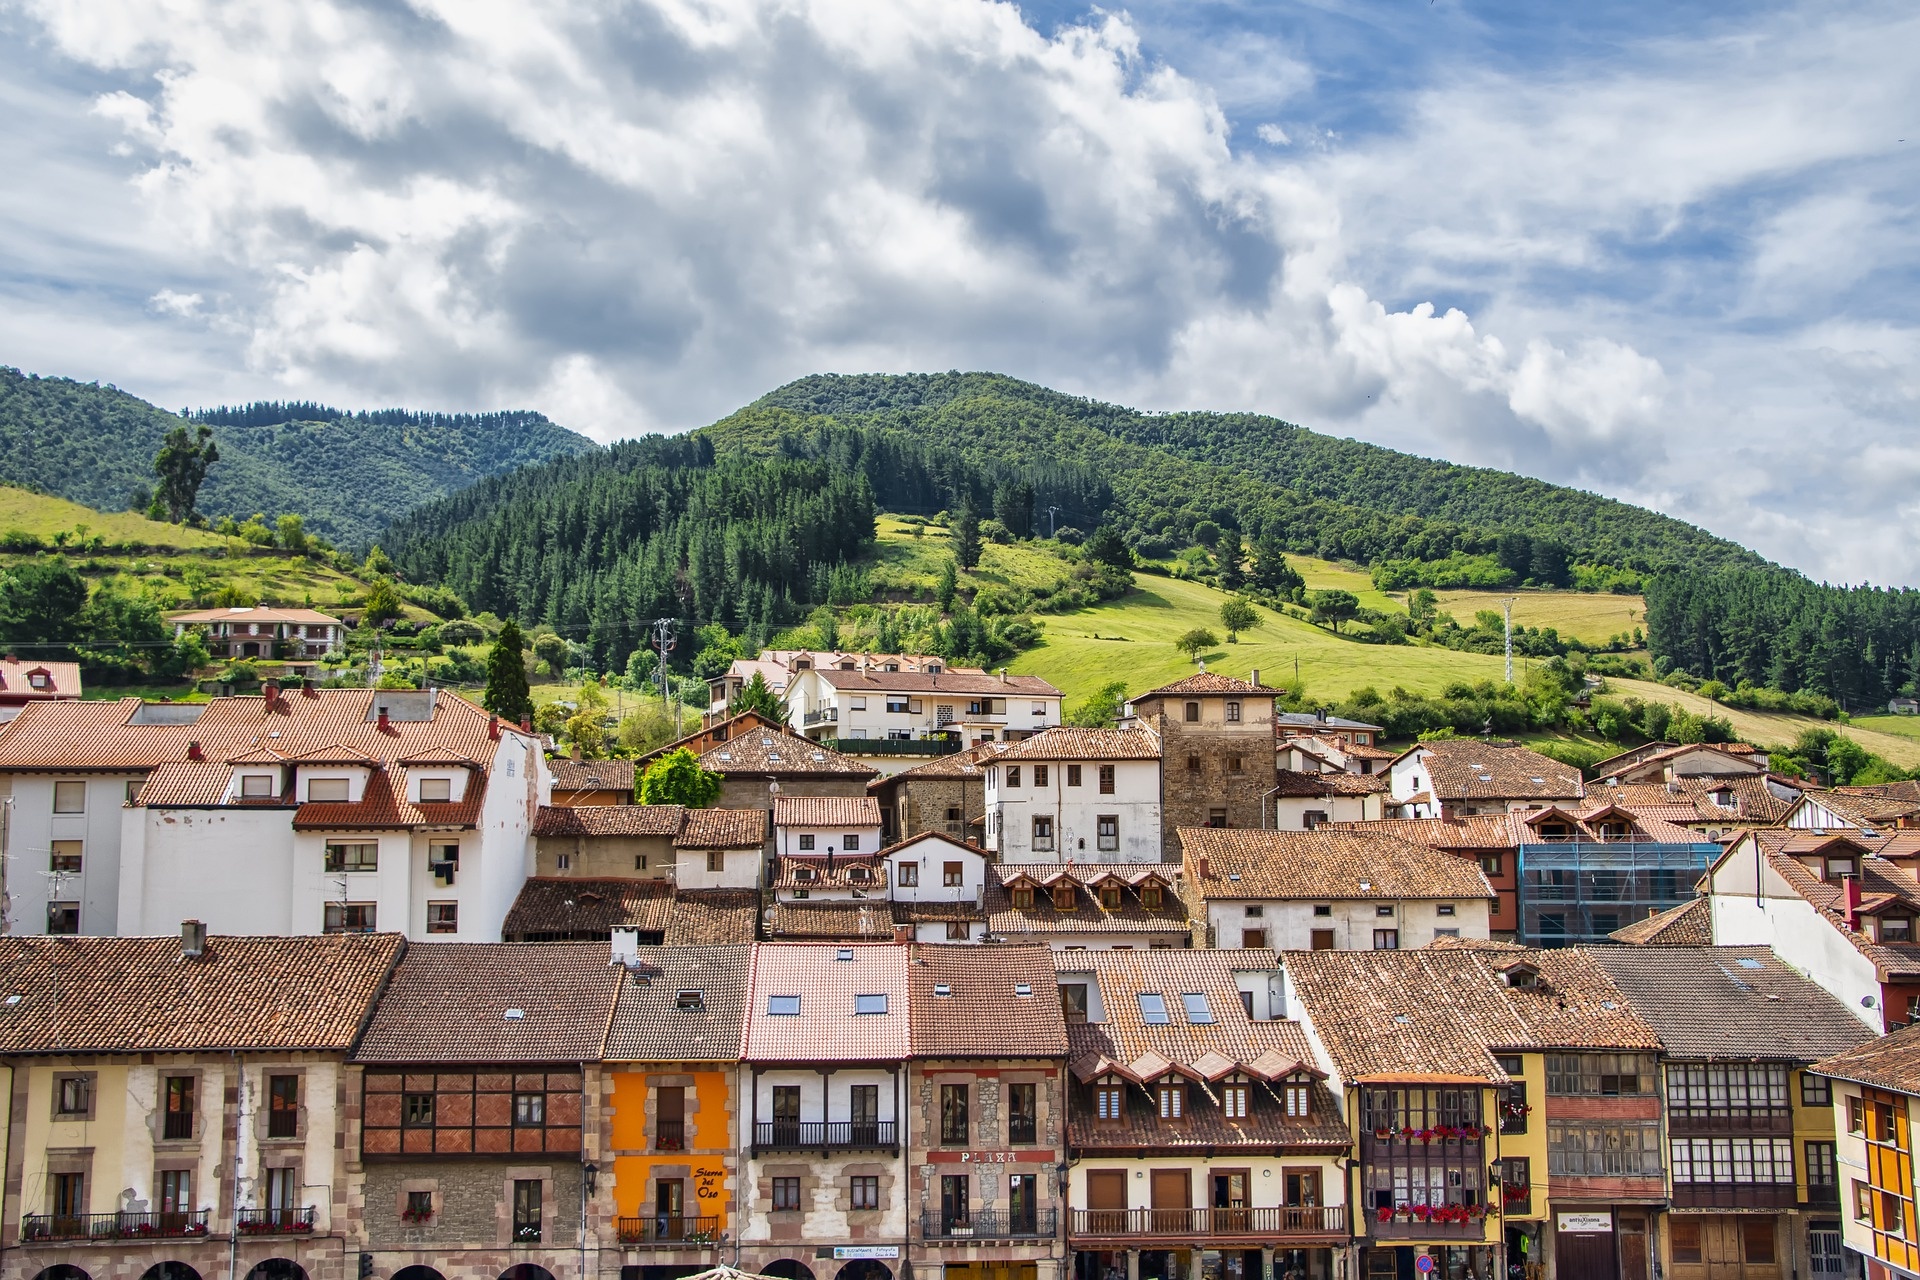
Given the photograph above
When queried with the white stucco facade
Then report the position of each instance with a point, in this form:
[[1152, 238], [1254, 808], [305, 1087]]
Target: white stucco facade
[[1354, 925], [1058, 811]]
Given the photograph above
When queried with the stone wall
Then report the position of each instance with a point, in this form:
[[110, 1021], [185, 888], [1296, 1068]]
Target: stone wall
[[1197, 776], [921, 805]]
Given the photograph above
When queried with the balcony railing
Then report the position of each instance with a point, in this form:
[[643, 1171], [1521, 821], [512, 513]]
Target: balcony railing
[[1280, 1221], [893, 746], [825, 715], [670, 1135], [988, 1224], [1405, 1228], [1735, 1195], [269, 1222], [113, 1226], [668, 1231], [1730, 1120], [823, 1135]]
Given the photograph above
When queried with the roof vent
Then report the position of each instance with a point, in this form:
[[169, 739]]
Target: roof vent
[[942, 989], [514, 1015]]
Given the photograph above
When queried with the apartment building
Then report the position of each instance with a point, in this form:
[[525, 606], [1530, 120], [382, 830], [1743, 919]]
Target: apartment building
[[174, 1103], [263, 631], [1876, 1102], [1076, 795], [840, 702]]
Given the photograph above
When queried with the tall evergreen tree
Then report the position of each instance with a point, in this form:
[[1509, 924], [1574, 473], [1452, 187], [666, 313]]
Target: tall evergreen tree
[[507, 694], [757, 695], [966, 535], [182, 465], [1232, 557]]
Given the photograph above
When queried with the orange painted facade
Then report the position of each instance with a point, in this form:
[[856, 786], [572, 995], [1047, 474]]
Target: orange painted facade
[[673, 1177]]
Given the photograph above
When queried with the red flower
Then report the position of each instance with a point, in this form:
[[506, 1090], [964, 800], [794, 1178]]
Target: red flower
[[1386, 1213]]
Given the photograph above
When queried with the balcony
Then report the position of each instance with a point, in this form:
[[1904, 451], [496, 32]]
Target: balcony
[[276, 1222], [1211, 1224], [670, 1135], [1684, 1120], [825, 715], [665, 1231], [1406, 1226], [113, 1226], [1735, 1195], [989, 1224], [824, 1135], [893, 746]]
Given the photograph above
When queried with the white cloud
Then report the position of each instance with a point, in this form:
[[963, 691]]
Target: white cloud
[[639, 217]]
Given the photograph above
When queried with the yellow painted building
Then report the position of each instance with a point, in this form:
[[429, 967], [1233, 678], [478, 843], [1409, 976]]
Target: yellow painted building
[[1876, 1107], [673, 1054]]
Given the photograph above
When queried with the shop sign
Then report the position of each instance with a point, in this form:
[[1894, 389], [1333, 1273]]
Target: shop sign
[[842, 1252], [1585, 1222]]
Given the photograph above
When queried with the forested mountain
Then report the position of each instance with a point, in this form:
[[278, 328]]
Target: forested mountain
[[348, 474], [1169, 472]]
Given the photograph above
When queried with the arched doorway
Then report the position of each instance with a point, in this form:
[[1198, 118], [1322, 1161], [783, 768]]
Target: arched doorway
[[417, 1272], [277, 1269], [170, 1270], [787, 1269], [864, 1269], [526, 1271], [63, 1271]]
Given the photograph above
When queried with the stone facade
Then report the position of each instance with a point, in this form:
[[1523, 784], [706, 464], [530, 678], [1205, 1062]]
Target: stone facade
[[931, 804], [1215, 771]]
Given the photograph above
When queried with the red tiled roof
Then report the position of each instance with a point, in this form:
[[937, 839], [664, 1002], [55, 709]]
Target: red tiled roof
[[141, 995], [966, 1001], [968, 764], [869, 920], [608, 820], [16, 678], [1069, 743], [1476, 831], [948, 682], [826, 811], [1205, 682], [255, 613], [1472, 769], [592, 775], [781, 754], [1297, 783], [1891, 1062], [383, 805], [495, 1002], [827, 1028], [722, 829], [1323, 865], [1783, 848], [552, 908], [1688, 925], [653, 1024]]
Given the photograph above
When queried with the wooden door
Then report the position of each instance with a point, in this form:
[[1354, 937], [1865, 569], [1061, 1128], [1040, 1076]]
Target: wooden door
[[1585, 1255], [1229, 1206], [1106, 1201], [1172, 1191], [672, 1120], [1720, 1247], [1632, 1229], [1322, 940]]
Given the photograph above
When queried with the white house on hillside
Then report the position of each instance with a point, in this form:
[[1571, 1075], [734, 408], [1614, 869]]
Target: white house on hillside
[[911, 705], [1076, 795]]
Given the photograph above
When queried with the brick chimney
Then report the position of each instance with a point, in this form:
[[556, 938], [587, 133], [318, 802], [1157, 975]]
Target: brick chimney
[[1850, 901], [386, 725], [493, 728], [307, 688], [193, 751], [902, 934], [1206, 870], [270, 691], [526, 724]]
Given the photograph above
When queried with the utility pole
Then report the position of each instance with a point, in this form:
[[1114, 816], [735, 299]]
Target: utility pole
[[1051, 512], [1506, 610], [663, 640]]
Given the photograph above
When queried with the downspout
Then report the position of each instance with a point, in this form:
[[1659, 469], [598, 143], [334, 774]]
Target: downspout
[[239, 1115]]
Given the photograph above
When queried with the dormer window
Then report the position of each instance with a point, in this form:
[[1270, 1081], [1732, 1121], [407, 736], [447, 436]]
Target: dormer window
[[1110, 1099], [804, 875], [1023, 896], [436, 789], [1064, 898], [859, 875], [256, 786], [1150, 896], [1841, 868], [1234, 1098], [1298, 1095], [325, 789], [1896, 928], [1172, 1099], [692, 1001], [39, 680], [1110, 896]]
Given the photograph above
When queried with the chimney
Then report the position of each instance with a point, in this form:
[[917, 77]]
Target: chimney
[[193, 751], [1253, 677], [1003, 676], [385, 724], [193, 939], [902, 934], [626, 945], [576, 751], [1206, 871], [1203, 664], [493, 728], [526, 724], [269, 690], [307, 689], [1850, 901]]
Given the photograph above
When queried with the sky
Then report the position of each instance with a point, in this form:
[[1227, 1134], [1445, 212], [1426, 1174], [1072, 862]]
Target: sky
[[1664, 251]]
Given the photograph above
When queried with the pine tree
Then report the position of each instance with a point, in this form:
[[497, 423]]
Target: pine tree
[[966, 535], [949, 587], [507, 695], [1232, 558], [757, 695]]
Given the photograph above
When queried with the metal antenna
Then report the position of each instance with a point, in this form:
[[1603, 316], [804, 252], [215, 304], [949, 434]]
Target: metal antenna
[[1506, 610], [1051, 511]]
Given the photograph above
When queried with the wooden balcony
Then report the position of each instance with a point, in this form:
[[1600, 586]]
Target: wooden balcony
[[1735, 1195], [1288, 1222]]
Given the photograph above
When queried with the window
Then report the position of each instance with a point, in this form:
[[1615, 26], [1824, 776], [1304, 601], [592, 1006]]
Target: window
[[1685, 1236], [1321, 940], [443, 917], [1313, 819], [1172, 1100], [1617, 1074], [256, 786], [69, 797], [1862, 1201], [1444, 909], [896, 706], [1073, 775], [1043, 832], [1193, 764], [526, 1210], [1013, 775], [1217, 818], [716, 860], [953, 1115], [1193, 713], [1023, 896], [1856, 1115], [1384, 909], [953, 875], [783, 1006], [1073, 1001], [1822, 1168], [348, 917], [1233, 713], [1039, 708], [1490, 863], [1234, 765], [1110, 1100], [1815, 1091], [1064, 898], [870, 1003], [1896, 929], [352, 857], [435, 789], [1592, 1150], [786, 1194], [858, 704], [1195, 1004], [133, 789], [866, 1191], [1386, 939], [1153, 1009], [1298, 1094], [1701, 1089], [416, 1110], [283, 1106], [908, 874], [1742, 1161], [529, 1109], [74, 1096], [1150, 896], [1109, 896], [176, 1191], [639, 862], [957, 931], [1516, 1183], [419, 1207], [177, 1122], [1839, 868], [1039, 775], [1253, 939], [849, 842], [1106, 779], [1233, 1101], [63, 918], [1023, 1114], [69, 1194], [327, 789]]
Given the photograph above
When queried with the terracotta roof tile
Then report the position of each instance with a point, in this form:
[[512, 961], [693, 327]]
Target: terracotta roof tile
[[660, 820], [1297, 783], [138, 995], [592, 775], [1864, 810], [863, 871], [1043, 919], [16, 678], [1731, 1002], [255, 613], [654, 1022], [381, 806], [781, 754], [1068, 743], [713, 917], [1205, 682], [868, 920], [961, 764], [552, 908], [1323, 864], [1476, 831], [965, 1001], [827, 1027], [1688, 925], [948, 682], [723, 829], [1891, 1062], [1472, 769], [1783, 848], [456, 1002], [826, 811]]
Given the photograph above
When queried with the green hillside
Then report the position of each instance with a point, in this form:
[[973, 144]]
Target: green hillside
[[347, 475]]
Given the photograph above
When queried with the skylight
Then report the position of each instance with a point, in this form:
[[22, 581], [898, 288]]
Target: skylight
[[1748, 962], [1153, 1009], [844, 953], [870, 1003], [1197, 1010], [1019, 988], [689, 1000], [942, 989], [783, 1006]]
